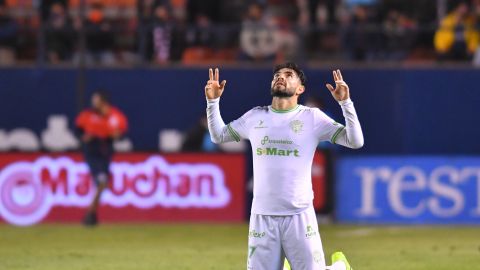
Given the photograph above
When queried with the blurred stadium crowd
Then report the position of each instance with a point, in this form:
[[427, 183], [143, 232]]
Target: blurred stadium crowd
[[132, 32]]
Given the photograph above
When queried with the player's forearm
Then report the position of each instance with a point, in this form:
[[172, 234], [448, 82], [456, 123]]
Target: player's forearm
[[351, 136], [217, 128]]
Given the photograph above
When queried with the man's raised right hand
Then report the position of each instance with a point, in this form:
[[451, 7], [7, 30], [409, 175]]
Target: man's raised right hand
[[214, 89]]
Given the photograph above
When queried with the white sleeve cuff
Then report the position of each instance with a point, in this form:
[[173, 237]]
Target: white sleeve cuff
[[215, 100], [345, 102]]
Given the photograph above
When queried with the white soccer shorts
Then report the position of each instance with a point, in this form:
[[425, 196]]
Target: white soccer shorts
[[272, 238]]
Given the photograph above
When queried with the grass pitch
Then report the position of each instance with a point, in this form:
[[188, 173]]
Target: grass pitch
[[205, 246]]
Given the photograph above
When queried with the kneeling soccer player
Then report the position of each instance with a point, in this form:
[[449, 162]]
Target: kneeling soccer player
[[284, 137]]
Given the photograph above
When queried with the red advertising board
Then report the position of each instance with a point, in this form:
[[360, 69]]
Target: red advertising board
[[144, 187], [319, 181]]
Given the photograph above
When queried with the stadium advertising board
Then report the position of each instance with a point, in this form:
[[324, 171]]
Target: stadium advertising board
[[321, 198], [144, 187], [444, 190]]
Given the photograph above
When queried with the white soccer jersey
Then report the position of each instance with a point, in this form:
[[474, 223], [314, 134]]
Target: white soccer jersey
[[283, 145]]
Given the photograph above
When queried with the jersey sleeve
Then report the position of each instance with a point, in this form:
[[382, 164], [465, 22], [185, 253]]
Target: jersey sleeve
[[240, 128], [82, 120], [119, 121], [325, 127]]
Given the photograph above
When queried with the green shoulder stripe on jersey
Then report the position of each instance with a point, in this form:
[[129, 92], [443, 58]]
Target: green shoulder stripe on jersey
[[284, 111], [233, 133], [334, 137]]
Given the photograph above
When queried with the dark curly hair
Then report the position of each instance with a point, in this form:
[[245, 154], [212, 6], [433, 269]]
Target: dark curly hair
[[103, 94], [294, 67]]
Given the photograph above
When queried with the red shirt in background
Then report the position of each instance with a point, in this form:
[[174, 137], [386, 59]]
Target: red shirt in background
[[102, 126]]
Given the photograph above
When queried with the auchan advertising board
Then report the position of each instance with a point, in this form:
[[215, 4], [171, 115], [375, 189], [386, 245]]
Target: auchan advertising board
[[143, 187]]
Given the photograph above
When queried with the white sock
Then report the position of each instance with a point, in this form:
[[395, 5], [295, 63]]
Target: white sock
[[338, 266]]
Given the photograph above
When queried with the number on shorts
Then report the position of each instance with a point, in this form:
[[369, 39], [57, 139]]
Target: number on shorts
[[251, 250]]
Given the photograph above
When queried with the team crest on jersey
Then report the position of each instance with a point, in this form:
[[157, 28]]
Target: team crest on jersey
[[296, 126]]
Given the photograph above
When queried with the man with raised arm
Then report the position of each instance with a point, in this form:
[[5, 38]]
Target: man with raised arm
[[284, 136]]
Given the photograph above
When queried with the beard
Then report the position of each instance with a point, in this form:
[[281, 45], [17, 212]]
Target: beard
[[281, 92]]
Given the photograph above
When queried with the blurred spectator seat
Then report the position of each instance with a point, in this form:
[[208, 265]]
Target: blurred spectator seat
[[114, 9], [197, 55], [107, 3], [226, 54], [20, 8], [19, 3]]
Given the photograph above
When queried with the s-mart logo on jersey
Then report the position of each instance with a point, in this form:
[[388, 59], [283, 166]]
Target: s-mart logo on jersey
[[29, 190], [274, 151]]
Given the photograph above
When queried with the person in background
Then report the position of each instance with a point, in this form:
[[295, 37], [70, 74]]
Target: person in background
[[162, 34], [257, 38], [8, 36], [476, 12], [210, 9], [59, 34], [398, 34], [197, 138], [457, 38], [100, 38], [202, 16], [46, 7], [97, 128], [358, 38]]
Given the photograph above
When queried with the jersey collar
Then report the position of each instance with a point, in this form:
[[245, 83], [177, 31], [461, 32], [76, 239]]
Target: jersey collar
[[283, 111]]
